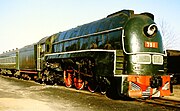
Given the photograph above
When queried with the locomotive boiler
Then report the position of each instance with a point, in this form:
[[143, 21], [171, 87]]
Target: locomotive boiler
[[120, 55]]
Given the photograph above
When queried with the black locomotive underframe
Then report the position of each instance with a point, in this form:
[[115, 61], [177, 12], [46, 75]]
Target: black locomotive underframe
[[104, 60]]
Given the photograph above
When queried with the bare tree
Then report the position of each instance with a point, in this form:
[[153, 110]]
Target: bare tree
[[170, 39]]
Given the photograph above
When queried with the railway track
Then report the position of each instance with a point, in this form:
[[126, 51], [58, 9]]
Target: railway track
[[155, 101], [162, 102]]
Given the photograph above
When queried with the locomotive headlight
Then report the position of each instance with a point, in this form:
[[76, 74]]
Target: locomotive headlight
[[150, 30]]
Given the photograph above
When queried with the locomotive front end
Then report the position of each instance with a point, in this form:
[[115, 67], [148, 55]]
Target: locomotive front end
[[142, 44]]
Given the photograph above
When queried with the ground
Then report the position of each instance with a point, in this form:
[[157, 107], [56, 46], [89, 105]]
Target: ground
[[176, 93], [21, 95]]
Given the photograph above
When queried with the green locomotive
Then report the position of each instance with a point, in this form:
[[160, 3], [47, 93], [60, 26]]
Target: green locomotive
[[121, 54]]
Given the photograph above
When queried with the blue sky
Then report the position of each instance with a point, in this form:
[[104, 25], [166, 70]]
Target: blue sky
[[24, 22]]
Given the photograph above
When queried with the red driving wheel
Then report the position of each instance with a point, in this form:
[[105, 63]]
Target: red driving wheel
[[68, 78], [78, 83]]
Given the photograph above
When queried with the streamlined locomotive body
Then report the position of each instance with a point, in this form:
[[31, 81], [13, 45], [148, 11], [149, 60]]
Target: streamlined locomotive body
[[121, 54]]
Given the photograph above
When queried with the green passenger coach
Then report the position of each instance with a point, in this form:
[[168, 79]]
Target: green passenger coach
[[9, 62]]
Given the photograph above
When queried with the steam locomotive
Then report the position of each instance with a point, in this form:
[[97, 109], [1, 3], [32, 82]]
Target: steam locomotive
[[120, 55]]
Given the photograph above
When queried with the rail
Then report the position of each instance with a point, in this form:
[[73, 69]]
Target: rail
[[162, 102]]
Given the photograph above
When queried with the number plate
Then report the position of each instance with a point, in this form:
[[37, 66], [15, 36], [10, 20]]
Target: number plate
[[151, 44]]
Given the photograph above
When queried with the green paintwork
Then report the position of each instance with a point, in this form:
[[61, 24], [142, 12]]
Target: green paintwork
[[104, 59], [28, 57], [135, 37], [84, 38], [99, 41], [134, 43], [8, 60], [78, 39], [120, 63], [41, 50]]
